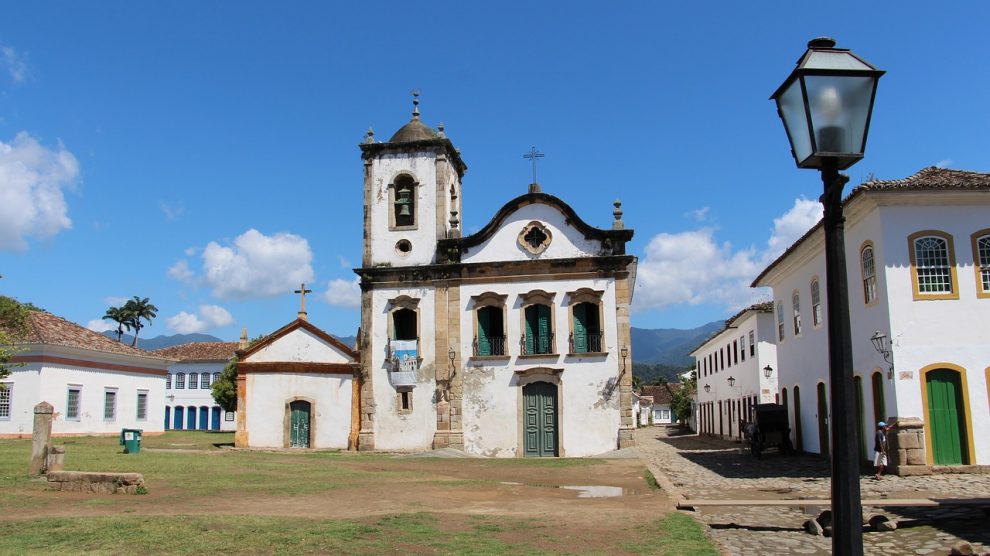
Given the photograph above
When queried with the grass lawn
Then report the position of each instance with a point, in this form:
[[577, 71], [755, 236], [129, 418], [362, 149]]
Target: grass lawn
[[202, 498]]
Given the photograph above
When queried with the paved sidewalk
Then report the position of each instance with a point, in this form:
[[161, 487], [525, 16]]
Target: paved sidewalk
[[705, 468]]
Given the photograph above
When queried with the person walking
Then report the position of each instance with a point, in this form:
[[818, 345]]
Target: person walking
[[880, 449]]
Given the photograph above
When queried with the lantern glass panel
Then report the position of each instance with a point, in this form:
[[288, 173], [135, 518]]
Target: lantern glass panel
[[791, 105], [840, 106]]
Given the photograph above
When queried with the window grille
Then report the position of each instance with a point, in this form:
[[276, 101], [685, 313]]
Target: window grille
[[796, 304], [192, 380], [816, 303], [110, 405], [72, 403], [869, 276], [180, 381], [6, 396], [780, 320], [983, 253], [931, 255], [142, 406]]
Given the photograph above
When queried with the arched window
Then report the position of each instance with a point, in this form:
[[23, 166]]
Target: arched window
[[180, 381], [192, 380], [204, 381], [796, 305], [981, 262], [933, 266], [780, 321], [816, 303], [402, 202], [168, 381], [216, 377], [869, 272]]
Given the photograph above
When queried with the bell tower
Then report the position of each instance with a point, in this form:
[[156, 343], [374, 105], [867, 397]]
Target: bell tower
[[412, 194]]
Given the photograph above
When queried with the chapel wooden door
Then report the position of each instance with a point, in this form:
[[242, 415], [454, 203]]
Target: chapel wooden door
[[540, 414], [299, 424], [823, 435]]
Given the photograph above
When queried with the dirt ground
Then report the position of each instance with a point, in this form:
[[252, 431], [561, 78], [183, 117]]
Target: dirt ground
[[455, 489]]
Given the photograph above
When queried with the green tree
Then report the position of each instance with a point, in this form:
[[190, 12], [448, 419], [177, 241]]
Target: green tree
[[224, 389], [120, 316], [138, 309], [14, 325], [681, 401]]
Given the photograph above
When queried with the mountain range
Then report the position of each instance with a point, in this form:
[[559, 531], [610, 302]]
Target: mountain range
[[668, 347]]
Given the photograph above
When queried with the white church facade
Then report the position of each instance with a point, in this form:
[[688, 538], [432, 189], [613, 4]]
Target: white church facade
[[510, 342], [918, 270]]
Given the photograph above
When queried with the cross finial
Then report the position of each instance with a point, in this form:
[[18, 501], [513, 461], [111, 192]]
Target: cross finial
[[415, 95], [532, 156], [302, 291]]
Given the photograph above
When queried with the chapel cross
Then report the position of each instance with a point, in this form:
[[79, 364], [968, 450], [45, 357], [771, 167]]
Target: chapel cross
[[302, 291], [532, 155]]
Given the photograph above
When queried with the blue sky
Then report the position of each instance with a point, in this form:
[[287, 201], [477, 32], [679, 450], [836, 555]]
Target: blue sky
[[205, 154]]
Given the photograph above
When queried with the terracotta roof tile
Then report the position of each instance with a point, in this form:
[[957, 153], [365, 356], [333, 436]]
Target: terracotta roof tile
[[662, 394], [199, 351], [49, 329]]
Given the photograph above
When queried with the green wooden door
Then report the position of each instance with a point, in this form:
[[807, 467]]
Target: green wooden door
[[299, 424], [581, 328], [540, 414], [822, 421], [947, 419]]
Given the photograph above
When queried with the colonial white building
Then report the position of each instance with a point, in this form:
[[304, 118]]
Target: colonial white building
[[96, 385], [189, 403], [732, 371], [918, 269], [510, 342]]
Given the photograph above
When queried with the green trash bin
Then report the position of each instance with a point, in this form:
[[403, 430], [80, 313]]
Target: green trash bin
[[130, 439]]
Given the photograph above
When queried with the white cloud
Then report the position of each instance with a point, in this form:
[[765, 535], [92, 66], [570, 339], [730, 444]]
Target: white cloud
[[172, 211], [694, 267], [343, 293], [257, 265], [100, 325], [210, 317], [944, 163], [115, 301], [180, 271], [32, 179], [699, 215], [792, 225], [15, 64], [344, 263]]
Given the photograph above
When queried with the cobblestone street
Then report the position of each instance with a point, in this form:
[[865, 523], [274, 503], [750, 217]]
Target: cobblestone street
[[706, 468]]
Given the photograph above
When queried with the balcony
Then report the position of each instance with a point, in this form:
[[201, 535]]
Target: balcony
[[536, 345], [493, 346], [592, 343]]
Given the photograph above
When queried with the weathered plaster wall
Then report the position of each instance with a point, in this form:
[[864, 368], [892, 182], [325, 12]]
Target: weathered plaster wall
[[566, 242], [396, 430], [588, 421], [268, 394]]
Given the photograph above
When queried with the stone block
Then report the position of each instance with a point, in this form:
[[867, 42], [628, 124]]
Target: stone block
[[813, 528], [916, 457], [908, 441]]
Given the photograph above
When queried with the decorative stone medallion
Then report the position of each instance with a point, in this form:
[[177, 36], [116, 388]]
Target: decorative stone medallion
[[535, 238]]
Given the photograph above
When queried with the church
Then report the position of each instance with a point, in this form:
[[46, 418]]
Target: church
[[510, 342]]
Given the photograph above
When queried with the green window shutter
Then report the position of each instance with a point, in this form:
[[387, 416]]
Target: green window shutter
[[544, 329], [532, 325], [580, 328], [484, 331]]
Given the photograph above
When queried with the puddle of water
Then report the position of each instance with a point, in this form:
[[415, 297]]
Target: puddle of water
[[586, 491]]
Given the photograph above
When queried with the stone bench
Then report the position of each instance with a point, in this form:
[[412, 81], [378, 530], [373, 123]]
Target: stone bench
[[101, 483]]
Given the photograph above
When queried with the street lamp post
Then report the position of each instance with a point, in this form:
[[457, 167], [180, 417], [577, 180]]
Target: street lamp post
[[825, 104]]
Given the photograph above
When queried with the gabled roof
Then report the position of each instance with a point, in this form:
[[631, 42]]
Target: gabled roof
[[295, 325], [199, 351], [927, 179], [614, 241], [48, 329], [662, 394]]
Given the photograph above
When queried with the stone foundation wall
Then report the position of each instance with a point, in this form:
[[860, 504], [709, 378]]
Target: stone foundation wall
[[99, 483], [906, 443]]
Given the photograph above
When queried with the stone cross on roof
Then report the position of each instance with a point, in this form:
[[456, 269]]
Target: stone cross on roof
[[302, 291]]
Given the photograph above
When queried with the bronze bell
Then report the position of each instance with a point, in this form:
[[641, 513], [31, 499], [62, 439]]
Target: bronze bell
[[404, 209]]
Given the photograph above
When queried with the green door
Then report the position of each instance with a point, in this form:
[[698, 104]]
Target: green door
[[299, 424], [538, 329], [540, 414], [948, 422], [822, 421]]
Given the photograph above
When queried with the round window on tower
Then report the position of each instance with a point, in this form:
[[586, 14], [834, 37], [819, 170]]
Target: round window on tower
[[403, 247]]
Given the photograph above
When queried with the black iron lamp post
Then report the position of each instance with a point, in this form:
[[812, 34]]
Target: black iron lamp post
[[708, 388], [879, 340], [826, 103], [732, 382]]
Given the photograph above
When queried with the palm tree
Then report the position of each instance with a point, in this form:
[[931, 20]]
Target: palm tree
[[138, 309], [119, 316]]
